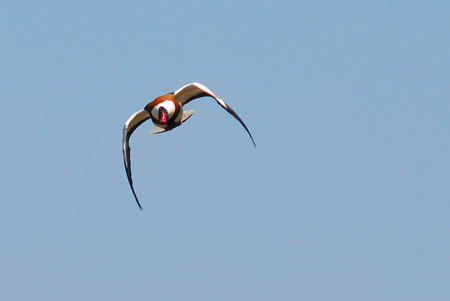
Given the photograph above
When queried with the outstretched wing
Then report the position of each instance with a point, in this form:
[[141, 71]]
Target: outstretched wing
[[132, 123], [195, 90]]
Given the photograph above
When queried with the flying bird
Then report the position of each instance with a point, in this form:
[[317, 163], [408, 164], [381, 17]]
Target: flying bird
[[167, 113]]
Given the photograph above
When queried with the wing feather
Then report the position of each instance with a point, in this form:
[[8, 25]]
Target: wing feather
[[192, 91], [132, 123]]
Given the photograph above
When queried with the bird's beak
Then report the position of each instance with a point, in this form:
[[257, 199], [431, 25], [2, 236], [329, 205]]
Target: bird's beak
[[162, 116]]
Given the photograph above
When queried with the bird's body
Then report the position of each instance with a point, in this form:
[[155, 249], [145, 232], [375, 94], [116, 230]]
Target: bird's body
[[166, 112]]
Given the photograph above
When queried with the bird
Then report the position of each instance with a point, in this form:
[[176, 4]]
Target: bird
[[166, 113]]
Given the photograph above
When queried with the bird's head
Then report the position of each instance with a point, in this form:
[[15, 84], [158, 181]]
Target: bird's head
[[162, 111]]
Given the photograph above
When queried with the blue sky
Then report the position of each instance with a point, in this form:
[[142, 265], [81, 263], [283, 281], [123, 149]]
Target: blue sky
[[346, 196]]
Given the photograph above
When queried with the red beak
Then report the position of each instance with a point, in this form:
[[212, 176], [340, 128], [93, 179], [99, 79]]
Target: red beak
[[163, 118]]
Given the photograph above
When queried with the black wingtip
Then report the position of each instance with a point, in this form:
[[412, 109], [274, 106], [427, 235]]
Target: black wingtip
[[251, 137], [135, 196], [245, 127], [137, 201], [130, 181], [235, 115]]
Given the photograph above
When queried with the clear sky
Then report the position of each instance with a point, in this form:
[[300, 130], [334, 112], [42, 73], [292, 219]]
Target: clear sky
[[346, 196]]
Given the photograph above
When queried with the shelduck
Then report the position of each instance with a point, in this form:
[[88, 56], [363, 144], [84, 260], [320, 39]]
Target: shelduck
[[167, 113]]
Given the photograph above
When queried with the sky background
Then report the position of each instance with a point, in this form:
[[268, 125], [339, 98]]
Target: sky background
[[346, 196]]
